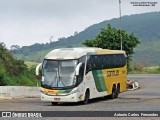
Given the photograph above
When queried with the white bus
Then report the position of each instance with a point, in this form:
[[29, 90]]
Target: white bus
[[80, 74]]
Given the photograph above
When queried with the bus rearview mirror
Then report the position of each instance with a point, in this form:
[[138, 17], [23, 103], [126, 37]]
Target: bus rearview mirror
[[78, 68], [38, 68]]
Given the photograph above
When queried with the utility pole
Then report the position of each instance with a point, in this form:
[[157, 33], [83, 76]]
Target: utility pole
[[120, 22]]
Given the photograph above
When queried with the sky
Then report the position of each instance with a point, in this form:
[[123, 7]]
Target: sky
[[26, 22]]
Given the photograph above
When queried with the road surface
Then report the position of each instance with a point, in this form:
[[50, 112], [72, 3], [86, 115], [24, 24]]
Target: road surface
[[147, 98]]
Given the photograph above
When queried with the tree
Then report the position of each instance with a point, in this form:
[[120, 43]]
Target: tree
[[15, 47], [75, 33], [109, 38], [12, 66]]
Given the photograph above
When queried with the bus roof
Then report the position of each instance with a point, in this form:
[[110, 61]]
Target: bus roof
[[75, 53]]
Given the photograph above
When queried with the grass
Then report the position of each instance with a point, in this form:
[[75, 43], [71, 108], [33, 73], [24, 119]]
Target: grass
[[26, 78], [31, 64], [151, 70], [147, 70]]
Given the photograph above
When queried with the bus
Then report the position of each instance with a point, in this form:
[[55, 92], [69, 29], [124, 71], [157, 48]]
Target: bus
[[81, 74]]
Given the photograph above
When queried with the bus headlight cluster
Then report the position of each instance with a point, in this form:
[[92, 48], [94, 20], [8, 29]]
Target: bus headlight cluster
[[43, 91], [74, 91]]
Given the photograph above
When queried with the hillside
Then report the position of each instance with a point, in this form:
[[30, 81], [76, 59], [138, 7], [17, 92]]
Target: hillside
[[14, 72], [145, 26]]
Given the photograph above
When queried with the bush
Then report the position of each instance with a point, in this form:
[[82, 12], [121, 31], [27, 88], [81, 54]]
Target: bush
[[14, 72], [158, 69], [138, 66], [2, 73]]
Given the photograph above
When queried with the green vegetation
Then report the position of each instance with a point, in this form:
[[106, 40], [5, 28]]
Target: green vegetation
[[147, 70], [148, 52], [14, 72], [144, 26], [38, 56], [141, 68], [31, 64], [109, 38]]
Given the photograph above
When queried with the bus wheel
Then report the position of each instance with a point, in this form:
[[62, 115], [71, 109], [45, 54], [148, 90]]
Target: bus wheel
[[117, 91], [113, 95], [54, 103], [86, 98]]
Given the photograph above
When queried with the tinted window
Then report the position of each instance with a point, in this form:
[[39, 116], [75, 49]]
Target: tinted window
[[97, 62]]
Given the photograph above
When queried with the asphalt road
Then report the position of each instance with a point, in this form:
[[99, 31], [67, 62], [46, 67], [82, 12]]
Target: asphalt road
[[147, 98]]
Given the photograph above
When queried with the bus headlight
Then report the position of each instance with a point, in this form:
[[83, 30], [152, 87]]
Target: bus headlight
[[74, 91], [43, 91]]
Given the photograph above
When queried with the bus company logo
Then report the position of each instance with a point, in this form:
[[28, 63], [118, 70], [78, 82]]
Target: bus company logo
[[6, 114], [112, 73]]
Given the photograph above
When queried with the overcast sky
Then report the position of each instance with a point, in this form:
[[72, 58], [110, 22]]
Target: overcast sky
[[25, 22]]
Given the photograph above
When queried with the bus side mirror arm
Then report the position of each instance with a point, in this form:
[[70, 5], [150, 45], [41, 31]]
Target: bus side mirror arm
[[78, 68], [37, 68]]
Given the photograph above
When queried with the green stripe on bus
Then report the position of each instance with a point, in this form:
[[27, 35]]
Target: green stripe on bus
[[99, 80]]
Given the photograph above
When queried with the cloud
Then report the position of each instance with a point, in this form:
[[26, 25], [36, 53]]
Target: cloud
[[25, 22]]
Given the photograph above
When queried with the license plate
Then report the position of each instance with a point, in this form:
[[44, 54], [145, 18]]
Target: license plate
[[57, 99]]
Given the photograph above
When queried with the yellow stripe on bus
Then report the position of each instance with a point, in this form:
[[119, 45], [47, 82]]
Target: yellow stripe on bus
[[50, 91]]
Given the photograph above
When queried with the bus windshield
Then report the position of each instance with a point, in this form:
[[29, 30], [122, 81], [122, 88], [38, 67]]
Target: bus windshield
[[59, 73]]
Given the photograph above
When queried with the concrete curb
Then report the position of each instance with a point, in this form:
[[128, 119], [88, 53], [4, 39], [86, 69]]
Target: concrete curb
[[10, 92]]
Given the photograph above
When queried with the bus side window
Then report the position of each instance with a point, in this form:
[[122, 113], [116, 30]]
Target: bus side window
[[94, 63], [99, 64], [105, 62], [89, 67], [115, 59], [89, 64], [122, 60]]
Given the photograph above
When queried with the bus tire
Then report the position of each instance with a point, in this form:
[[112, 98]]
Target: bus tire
[[113, 95], [54, 103], [86, 97], [117, 91]]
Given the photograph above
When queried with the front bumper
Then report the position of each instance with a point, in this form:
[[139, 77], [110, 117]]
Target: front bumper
[[60, 98]]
